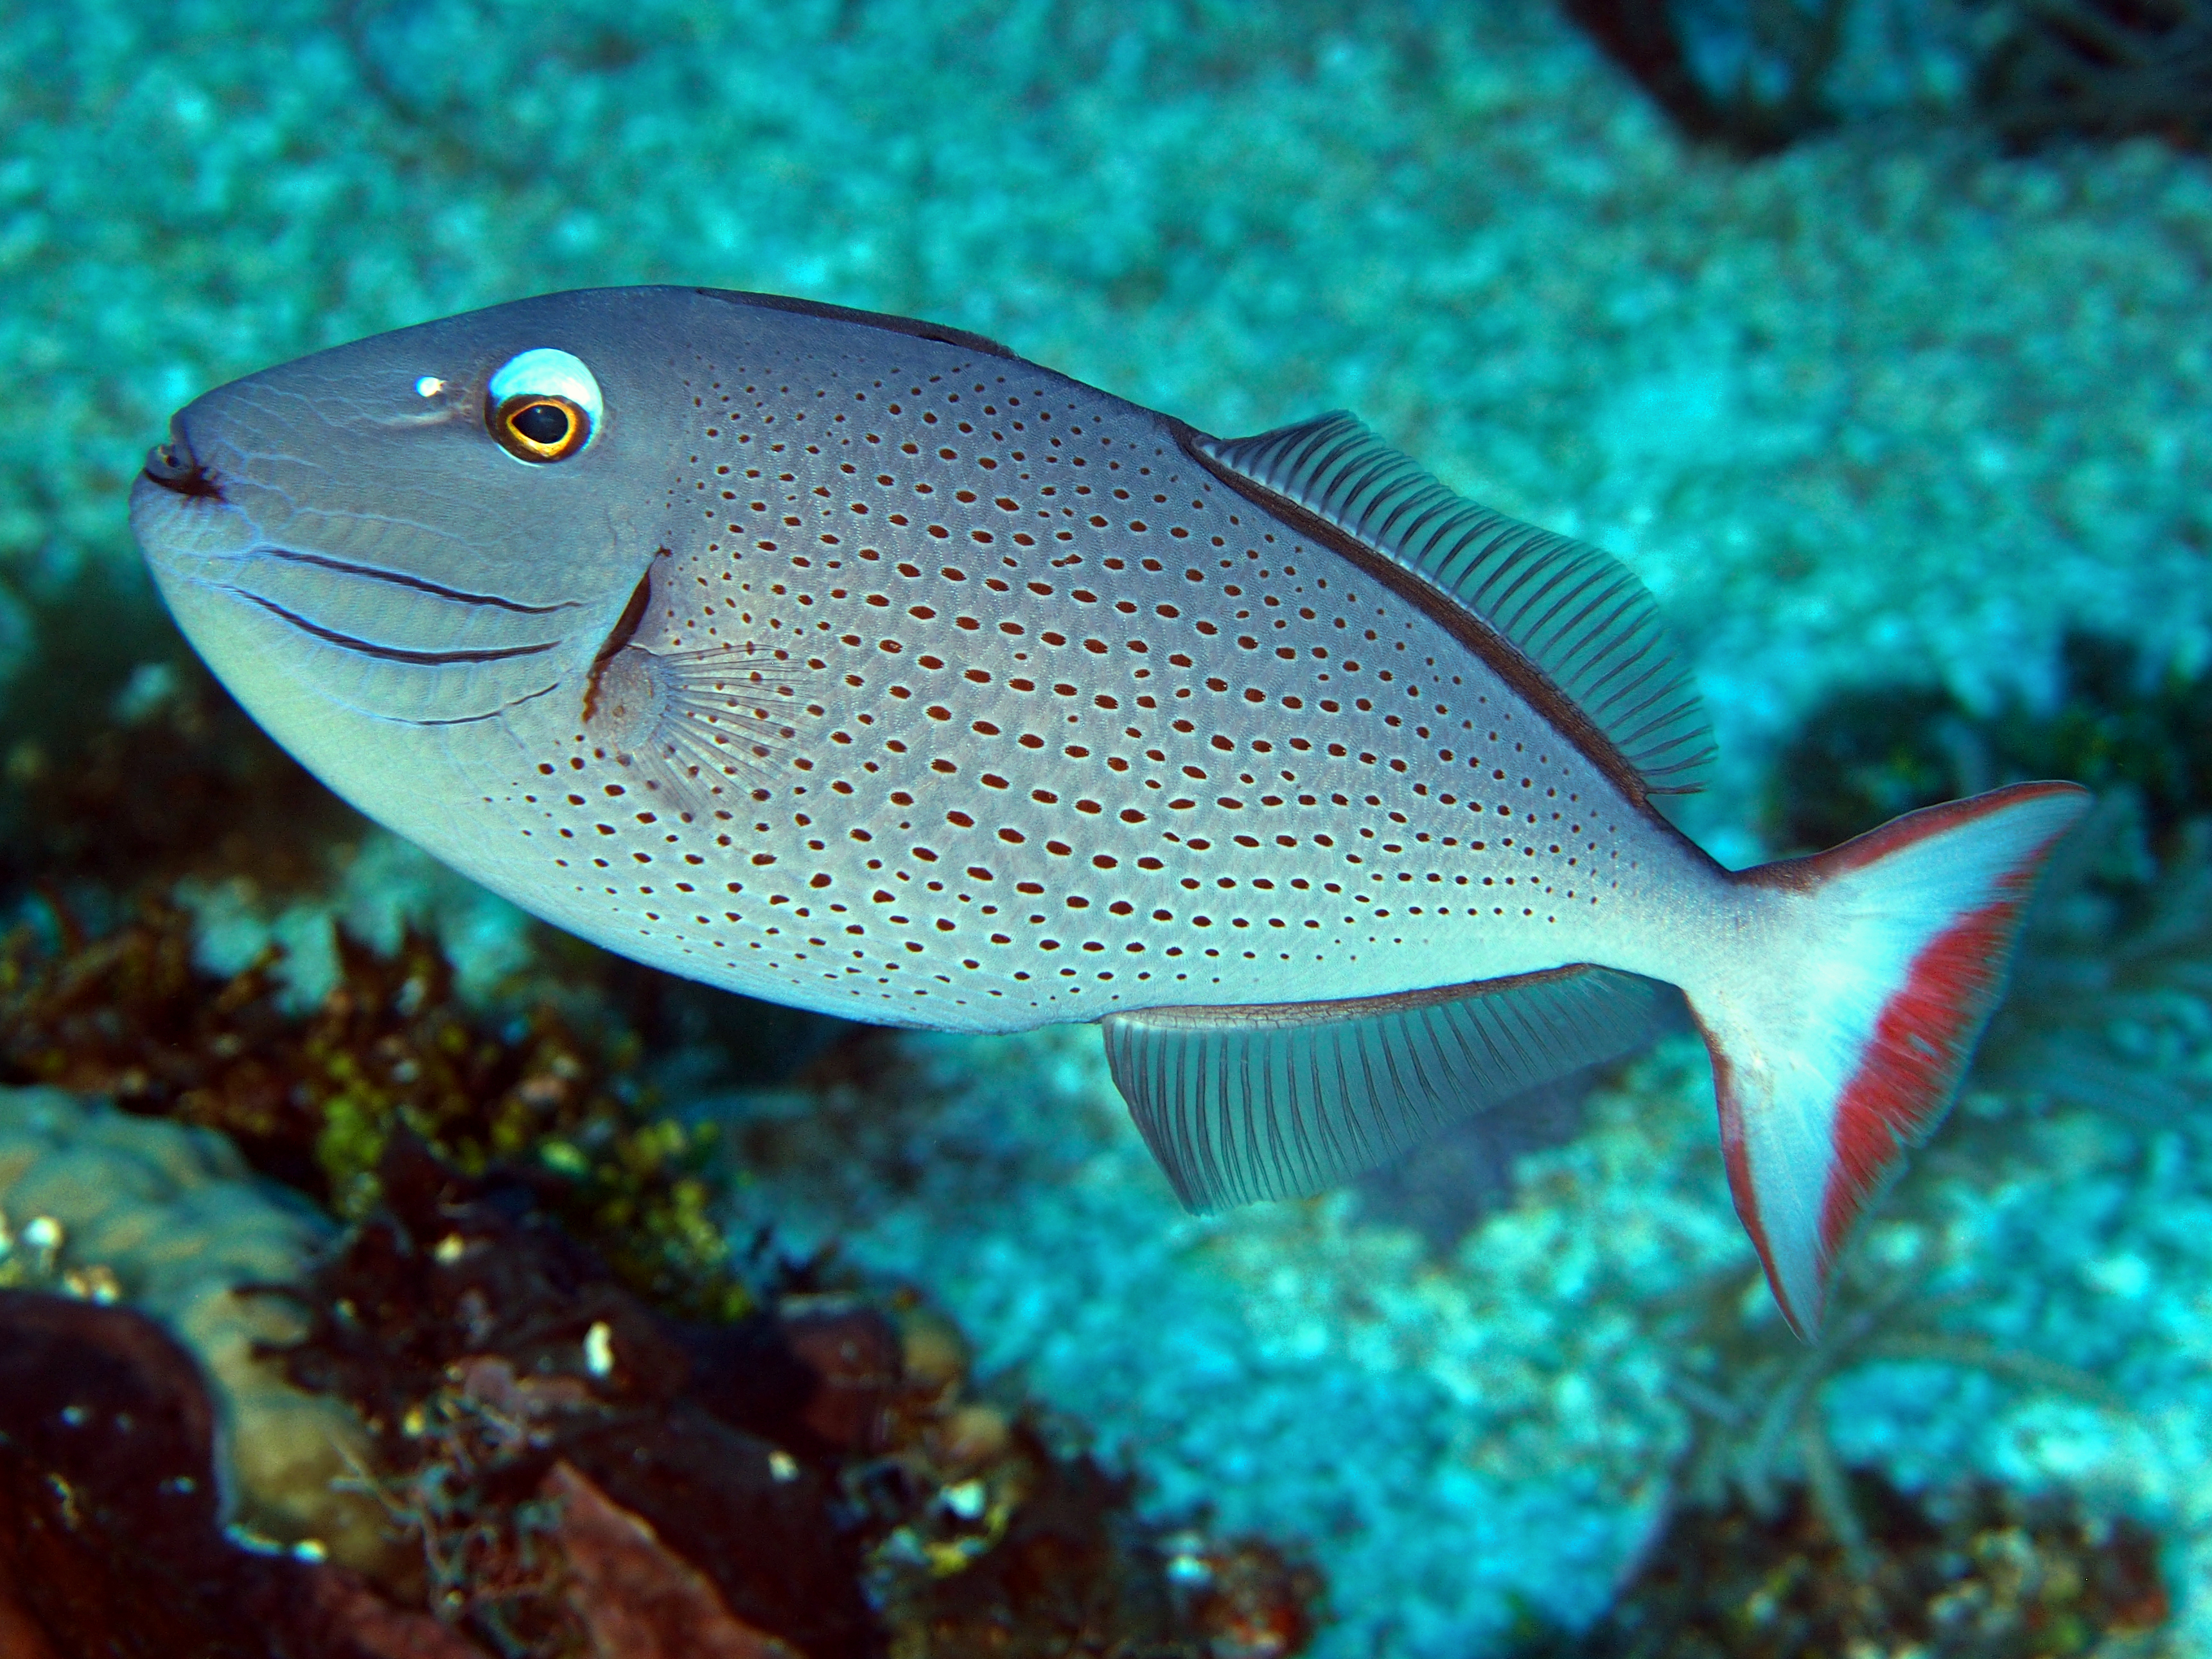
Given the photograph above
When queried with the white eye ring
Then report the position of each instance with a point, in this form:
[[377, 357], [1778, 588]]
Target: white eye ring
[[543, 377]]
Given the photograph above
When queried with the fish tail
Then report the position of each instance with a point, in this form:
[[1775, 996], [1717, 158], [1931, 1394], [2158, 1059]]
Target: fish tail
[[1838, 1040]]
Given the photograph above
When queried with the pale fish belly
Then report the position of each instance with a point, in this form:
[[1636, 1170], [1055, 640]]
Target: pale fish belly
[[1063, 724]]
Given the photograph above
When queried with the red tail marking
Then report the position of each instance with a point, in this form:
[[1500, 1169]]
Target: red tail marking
[[1877, 844], [1925, 1031], [1735, 1156], [1913, 1060]]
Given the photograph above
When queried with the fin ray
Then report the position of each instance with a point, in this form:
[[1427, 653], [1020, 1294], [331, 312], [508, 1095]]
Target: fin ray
[[1244, 1104], [704, 728], [1574, 612]]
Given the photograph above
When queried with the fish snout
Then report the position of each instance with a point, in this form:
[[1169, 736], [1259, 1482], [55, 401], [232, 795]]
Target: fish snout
[[172, 465], [179, 507]]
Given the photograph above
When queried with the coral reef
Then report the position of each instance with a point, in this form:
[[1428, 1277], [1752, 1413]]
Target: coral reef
[[498, 1366], [1975, 1572], [825, 1444], [111, 1540], [311, 1100], [168, 1219], [470, 1411]]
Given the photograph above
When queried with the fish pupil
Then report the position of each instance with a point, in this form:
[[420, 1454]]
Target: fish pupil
[[546, 424]]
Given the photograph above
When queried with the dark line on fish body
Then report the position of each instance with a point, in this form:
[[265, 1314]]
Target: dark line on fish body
[[1533, 685], [396, 580], [1283, 1015], [392, 653], [490, 715], [912, 327]]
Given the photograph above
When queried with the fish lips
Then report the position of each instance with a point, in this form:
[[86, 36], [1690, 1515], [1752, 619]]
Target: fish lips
[[180, 505]]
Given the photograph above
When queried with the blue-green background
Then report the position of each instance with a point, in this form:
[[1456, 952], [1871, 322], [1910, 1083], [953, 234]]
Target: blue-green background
[[1894, 405]]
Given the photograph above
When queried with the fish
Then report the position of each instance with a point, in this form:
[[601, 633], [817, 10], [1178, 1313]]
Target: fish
[[858, 664]]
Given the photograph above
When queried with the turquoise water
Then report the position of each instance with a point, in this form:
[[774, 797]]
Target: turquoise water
[[1893, 406]]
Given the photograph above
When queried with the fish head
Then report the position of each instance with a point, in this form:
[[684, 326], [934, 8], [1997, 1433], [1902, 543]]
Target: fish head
[[397, 552]]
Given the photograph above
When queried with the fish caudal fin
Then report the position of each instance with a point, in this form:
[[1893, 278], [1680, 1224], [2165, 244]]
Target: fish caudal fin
[[1841, 1042]]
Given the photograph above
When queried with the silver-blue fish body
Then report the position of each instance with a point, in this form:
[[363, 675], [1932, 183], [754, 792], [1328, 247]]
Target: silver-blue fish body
[[963, 695], [861, 664]]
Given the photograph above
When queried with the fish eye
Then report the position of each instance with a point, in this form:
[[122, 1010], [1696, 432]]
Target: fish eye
[[543, 406]]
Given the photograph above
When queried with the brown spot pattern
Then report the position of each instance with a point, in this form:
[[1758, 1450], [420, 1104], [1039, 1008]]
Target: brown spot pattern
[[1011, 710]]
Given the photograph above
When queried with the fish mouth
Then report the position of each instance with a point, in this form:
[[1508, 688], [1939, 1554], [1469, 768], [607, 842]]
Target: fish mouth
[[171, 465]]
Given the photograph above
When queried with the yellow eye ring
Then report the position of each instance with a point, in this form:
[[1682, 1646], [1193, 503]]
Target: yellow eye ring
[[541, 426]]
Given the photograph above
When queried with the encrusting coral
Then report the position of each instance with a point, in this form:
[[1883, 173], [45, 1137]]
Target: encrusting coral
[[111, 1535], [168, 1219], [820, 1464]]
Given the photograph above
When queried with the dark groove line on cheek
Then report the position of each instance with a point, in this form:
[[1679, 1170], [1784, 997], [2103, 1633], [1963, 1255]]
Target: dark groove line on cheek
[[396, 579], [490, 715], [393, 654]]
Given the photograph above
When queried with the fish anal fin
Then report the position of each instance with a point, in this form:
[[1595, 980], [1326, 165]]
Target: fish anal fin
[[1244, 1104], [1572, 612]]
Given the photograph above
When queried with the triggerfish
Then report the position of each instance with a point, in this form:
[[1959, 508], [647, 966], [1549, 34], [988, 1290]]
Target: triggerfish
[[858, 664]]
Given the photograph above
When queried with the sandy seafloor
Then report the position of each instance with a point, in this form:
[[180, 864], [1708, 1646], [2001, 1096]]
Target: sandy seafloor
[[1892, 405]]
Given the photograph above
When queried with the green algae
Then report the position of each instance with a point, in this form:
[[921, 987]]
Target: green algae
[[313, 1098]]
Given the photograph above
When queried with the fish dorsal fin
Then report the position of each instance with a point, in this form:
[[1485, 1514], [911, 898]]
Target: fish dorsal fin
[[1573, 611], [1240, 1104]]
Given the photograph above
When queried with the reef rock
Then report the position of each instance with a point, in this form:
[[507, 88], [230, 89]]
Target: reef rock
[[169, 1219]]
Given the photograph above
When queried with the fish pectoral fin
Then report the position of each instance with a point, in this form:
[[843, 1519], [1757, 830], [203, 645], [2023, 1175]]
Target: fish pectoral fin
[[1243, 1104], [703, 729]]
